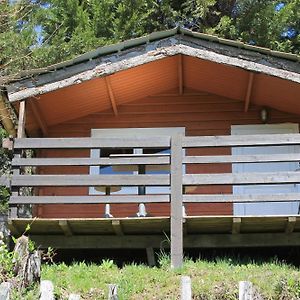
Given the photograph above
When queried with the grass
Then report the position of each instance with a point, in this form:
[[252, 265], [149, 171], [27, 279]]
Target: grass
[[211, 280]]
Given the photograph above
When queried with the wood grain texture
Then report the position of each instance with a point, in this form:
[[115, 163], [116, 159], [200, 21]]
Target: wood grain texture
[[202, 114]]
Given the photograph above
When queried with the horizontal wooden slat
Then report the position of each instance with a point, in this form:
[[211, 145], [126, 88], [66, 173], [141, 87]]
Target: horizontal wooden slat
[[242, 140], [241, 158], [242, 178], [193, 198], [89, 199], [90, 180], [4, 181], [85, 161], [84, 143]]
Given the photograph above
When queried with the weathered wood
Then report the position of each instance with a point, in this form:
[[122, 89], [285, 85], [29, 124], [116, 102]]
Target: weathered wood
[[241, 158], [242, 140], [291, 222], [176, 202], [64, 225], [117, 226], [113, 292], [21, 121], [27, 265], [89, 180], [236, 225], [150, 256], [242, 178], [249, 91], [47, 290], [246, 291], [186, 288], [84, 143], [13, 210], [242, 198], [155, 241], [111, 95], [216, 52], [85, 161], [89, 199], [5, 288], [38, 115], [4, 181]]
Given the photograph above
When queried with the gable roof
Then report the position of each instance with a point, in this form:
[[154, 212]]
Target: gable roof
[[108, 60]]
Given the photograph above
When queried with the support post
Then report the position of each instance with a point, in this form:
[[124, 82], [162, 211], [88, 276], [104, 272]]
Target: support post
[[176, 202], [46, 290], [13, 212], [150, 256], [21, 121], [186, 288], [248, 292]]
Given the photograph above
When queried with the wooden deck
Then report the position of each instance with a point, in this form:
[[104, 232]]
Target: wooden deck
[[195, 185], [199, 232]]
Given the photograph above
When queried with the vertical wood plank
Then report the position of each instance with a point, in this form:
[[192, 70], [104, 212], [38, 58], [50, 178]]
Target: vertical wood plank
[[176, 202], [180, 74], [47, 290], [150, 256], [245, 290], [15, 190], [186, 288], [21, 121]]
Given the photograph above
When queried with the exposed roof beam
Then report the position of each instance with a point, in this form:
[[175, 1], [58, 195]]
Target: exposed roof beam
[[180, 74], [21, 120], [111, 95], [249, 91], [38, 115]]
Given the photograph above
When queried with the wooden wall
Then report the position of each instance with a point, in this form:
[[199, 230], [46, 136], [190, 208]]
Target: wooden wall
[[200, 114]]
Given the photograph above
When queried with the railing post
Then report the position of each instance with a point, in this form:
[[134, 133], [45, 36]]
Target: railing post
[[176, 202], [15, 190]]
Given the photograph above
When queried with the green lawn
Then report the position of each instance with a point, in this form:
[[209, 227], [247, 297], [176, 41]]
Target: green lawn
[[210, 280]]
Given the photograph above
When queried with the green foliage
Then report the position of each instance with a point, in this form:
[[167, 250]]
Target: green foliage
[[211, 280], [39, 33], [6, 261]]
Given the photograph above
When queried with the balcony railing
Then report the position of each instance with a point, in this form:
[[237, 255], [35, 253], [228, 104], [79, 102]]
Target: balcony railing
[[182, 182]]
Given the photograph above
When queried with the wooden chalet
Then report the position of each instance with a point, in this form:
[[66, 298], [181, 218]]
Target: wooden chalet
[[176, 134]]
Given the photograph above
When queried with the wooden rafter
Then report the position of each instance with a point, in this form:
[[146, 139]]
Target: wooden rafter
[[21, 121], [290, 225], [249, 91], [180, 74], [236, 225], [111, 96], [38, 115], [116, 224], [65, 227]]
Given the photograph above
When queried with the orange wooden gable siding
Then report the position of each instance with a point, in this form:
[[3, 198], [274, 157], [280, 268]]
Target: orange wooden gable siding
[[204, 114]]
